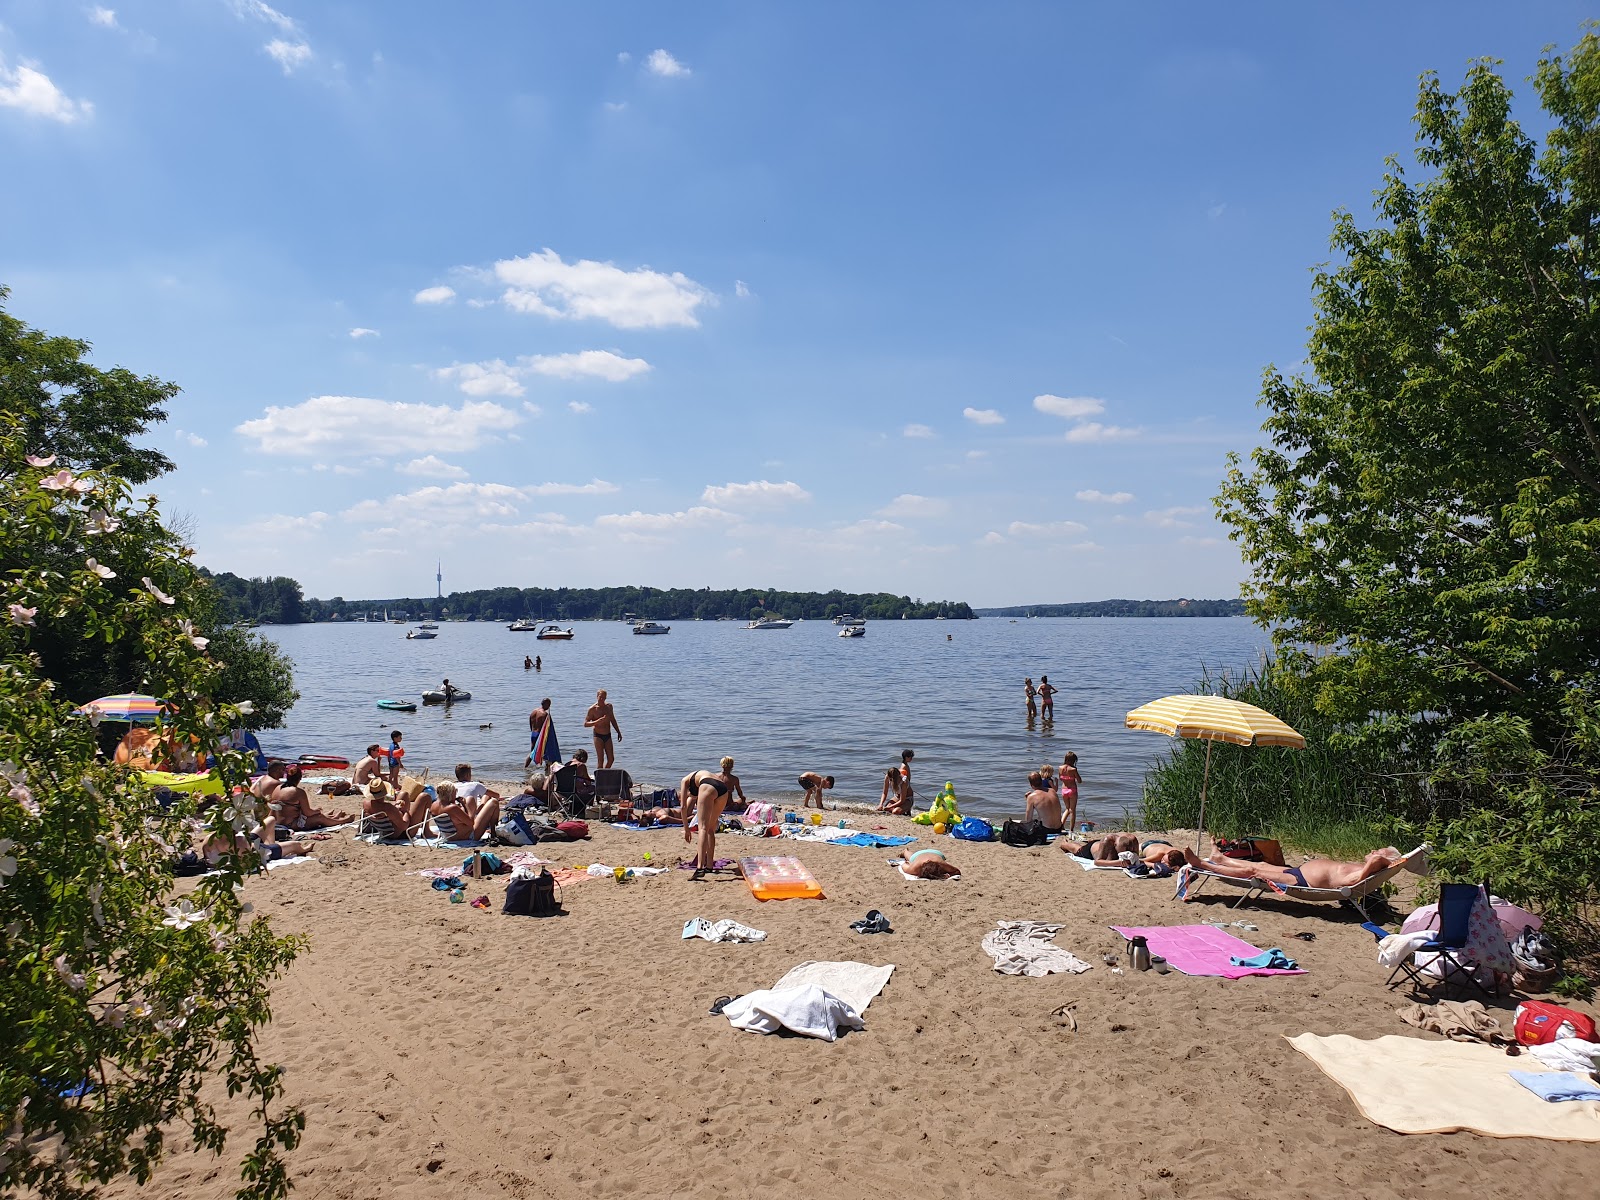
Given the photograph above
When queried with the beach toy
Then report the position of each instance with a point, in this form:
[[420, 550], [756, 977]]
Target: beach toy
[[780, 878], [941, 827], [816, 818]]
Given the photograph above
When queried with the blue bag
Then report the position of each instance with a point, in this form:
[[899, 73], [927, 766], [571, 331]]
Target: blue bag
[[973, 829]]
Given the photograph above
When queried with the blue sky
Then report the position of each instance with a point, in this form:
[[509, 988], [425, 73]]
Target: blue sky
[[957, 301]]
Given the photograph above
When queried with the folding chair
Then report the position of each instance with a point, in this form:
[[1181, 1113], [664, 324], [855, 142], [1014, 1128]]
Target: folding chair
[[1450, 967], [564, 793], [612, 783]]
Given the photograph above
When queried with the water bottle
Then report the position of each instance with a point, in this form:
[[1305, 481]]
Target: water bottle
[[1138, 953], [841, 823]]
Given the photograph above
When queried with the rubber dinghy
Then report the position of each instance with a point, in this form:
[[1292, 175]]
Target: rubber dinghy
[[398, 705], [437, 697]]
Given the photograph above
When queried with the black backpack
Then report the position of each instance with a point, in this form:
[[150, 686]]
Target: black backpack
[[1024, 833], [533, 896]]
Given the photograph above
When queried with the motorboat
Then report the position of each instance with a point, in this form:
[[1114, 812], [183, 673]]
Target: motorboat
[[770, 623], [437, 696], [523, 626], [420, 635], [398, 705], [554, 633], [427, 625], [854, 630], [650, 627], [847, 619]]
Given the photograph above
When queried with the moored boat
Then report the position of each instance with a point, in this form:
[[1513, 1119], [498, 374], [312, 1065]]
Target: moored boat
[[398, 705], [769, 623], [437, 696], [554, 633], [650, 627], [523, 626]]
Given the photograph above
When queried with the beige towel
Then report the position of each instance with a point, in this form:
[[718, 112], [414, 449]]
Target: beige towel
[[1412, 1085], [857, 984]]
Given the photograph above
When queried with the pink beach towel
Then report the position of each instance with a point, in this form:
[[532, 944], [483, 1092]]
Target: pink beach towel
[[1200, 950]]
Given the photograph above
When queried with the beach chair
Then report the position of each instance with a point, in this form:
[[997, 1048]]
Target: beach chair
[[613, 783], [564, 793], [1449, 967], [1191, 880]]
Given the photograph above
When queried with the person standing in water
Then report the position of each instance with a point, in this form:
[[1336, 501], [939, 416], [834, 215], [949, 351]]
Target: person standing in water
[[1029, 692], [527, 663], [1047, 699], [602, 720]]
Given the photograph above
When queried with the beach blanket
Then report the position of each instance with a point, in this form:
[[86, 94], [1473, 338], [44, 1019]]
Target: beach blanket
[[899, 866], [545, 748], [1416, 1085], [725, 930], [856, 983], [1028, 948], [1201, 950], [806, 1010], [1088, 864], [876, 841]]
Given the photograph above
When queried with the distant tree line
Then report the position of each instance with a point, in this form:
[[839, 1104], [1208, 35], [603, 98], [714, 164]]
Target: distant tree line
[[1123, 608], [278, 601]]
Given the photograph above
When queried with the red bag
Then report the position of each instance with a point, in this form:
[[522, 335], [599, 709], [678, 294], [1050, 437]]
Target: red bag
[[575, 830], [1539, 1022]]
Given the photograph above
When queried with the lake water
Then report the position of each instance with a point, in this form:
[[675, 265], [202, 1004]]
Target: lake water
[[779, 701]]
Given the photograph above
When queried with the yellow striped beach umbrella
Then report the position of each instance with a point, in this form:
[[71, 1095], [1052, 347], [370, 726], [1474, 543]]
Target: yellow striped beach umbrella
[[1215, 719]]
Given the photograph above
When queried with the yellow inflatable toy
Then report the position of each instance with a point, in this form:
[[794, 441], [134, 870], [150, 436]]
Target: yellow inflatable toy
[[944, 811]]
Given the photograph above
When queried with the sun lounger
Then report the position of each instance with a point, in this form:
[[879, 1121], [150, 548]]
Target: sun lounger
[[1191, 880]]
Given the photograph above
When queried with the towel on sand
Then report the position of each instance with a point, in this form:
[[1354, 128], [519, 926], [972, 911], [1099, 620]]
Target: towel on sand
[[856, 983], [1027, 948], [1458, 1020], [725, 930], [1201, 950], [1417, 1085], [1568, 1054], [807, 1010], [1555, 1086]]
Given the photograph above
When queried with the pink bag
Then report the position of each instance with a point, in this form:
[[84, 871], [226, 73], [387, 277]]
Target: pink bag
[[760, 813]]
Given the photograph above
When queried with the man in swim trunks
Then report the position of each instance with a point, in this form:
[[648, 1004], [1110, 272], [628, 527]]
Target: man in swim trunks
[[368, 768], [928, 864], [814, 785], [262, 786], [1042, 804], [1047, 698], [705, 794], [602, 719], [1106, 851], [1314, 873]]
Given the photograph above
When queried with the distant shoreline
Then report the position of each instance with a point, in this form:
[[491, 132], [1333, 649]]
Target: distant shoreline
[[1122, 608]]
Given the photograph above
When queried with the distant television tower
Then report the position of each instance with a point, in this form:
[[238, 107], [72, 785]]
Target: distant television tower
[[438, 577]]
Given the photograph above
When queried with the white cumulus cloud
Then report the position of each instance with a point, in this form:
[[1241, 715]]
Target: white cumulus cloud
[[260, 11], [435, 295], [104, 17], [758, 493], [663, 64], [431, 467], [496, 377], [1071, 407], [357, 424], [459, 504], [1046, 530], [546, 285], [917, 431], [661, 523], [1093, 431], [190, 439], [27, 88], [361, 331], [291, 56], [741, 290], [912, 505], [1178, 517], [580, 407], [595, 487], [280, 525], [983, 416], [1095, 496], [492, 378]]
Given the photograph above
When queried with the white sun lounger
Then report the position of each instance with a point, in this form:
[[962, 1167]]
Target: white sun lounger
[[1191, 880]]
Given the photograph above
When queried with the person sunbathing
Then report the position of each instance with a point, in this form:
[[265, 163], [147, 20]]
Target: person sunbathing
[[403, 812], [927, 864], [472, 818], [134, 750], [292, 806], [1313, 873], [1105, 851]]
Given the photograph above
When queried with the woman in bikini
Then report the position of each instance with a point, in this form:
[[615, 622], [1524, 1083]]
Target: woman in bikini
[[897, 794], [705, 794], [1069, 781], [928, 864]]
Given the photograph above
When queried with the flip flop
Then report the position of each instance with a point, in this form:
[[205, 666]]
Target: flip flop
[[481, 902], [720, 1003]]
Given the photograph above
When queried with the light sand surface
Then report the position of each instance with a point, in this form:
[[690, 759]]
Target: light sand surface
[[443, 1051]]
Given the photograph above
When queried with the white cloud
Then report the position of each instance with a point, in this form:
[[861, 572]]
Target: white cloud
[[291, 56], [1191, 540], [580, 407], [492, 378], [918, 431], [190, 439], [1176, 517], [663, 64], [740, 290], [1069, 406], [431, 467], [356, 424], [624, 57], [867, 528], [1094, 496], [595, 487], [459, 504], [257, 10], [976, 454], [911, 505], [1096, 432], [758, 493], [983, 416], [279, 525], [360, 331], [435, 295], [31, 90], [992, 539], [1216, 211], [615, 106], [660, 523], [546, 285], [1049, 530], [532, 409], [104, 17]]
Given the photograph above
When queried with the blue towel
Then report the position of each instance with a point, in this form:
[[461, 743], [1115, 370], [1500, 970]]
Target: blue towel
[[1274, 958], [1557, 1085], [874, 840]]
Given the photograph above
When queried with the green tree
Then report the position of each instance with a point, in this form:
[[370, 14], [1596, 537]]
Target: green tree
[[125, 1011], [88, 417]]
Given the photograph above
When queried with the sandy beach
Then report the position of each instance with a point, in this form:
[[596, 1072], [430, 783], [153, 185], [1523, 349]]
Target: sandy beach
[[443, 1051]]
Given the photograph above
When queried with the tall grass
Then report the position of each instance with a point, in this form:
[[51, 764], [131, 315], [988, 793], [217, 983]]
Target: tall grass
[[1329, 798]]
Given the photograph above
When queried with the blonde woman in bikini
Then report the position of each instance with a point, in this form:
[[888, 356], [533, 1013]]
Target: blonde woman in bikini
[[706, 793]]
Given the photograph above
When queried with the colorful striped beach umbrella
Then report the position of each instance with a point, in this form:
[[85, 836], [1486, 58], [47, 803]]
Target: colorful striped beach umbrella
[[127, 706], [1215, 719]]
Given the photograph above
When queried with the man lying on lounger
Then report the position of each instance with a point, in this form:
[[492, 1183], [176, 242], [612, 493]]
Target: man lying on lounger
[[1314, 873]]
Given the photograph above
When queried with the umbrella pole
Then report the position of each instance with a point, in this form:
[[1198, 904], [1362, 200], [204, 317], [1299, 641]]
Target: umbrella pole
[[1200, 840]]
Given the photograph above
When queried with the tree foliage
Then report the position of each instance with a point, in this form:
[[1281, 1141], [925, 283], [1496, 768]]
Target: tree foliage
[[1423, 525], [124, 1011]]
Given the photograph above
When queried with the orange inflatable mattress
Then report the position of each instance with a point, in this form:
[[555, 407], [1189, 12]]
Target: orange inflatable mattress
[[780, 878]]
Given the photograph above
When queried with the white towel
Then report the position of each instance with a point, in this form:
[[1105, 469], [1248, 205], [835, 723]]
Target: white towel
[[1398, 947], [725, 930], [910, 878], [856, 983], [808, 1010], [1027, 948], [1568, 1054]]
